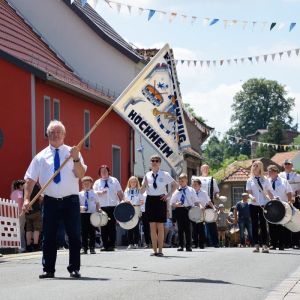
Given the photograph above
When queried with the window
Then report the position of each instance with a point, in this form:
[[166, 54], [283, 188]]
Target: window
[[237, 192], [116, 162], [87, 125], [47, 113], [56, 109]]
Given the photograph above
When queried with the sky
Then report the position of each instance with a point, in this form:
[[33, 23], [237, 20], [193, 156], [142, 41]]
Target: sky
[[210, 90]]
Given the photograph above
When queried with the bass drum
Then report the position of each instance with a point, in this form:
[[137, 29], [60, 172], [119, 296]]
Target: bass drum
[[294, 224], [278, 212], [99, 219], [196, 214], [210, 215]]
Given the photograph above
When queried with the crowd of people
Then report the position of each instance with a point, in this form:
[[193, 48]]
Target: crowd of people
[[163, 203]]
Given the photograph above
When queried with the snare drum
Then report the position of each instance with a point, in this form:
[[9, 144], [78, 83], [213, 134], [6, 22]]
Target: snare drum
[[98, 219], [210, 215], [124, 212], [196, 214]]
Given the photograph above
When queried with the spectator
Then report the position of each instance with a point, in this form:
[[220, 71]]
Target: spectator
[[243, 219], [222, 224], [34, 222], [18, 196]]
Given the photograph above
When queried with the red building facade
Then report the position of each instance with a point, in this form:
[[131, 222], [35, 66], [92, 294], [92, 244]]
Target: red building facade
[[35, 87]]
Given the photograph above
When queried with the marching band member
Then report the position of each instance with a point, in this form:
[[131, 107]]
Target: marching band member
[[132, 195], [209, 184], [154, 183], [61, 200], [282, 190], [203, 200], [89, 203], [110, 194], [182, 200], [260, 191], [294, 180]]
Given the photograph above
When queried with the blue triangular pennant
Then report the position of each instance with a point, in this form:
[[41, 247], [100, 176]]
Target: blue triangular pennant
[[151, 14], [214, 21], [292, 25], [272, 26]]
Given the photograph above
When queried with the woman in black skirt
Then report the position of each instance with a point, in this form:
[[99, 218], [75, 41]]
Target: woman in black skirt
[[154, 184]]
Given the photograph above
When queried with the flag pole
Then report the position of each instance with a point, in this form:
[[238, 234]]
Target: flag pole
[[79, 145]]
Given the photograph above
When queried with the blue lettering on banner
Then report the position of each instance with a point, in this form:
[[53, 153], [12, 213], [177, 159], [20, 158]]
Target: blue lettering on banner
[[147, 130], [180, 125]]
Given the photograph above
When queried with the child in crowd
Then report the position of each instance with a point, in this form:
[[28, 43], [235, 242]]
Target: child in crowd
[[132, 195], [89, 203], [222, 224], [183, 199]]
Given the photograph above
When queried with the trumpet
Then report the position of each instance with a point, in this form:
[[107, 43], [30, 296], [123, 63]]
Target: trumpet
[[166, 114]]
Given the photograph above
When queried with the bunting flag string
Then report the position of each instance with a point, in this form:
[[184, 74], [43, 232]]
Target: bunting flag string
[[274, 146], [251, 59], [207, 21]]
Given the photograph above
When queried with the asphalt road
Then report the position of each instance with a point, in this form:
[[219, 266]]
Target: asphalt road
[[227, 273]]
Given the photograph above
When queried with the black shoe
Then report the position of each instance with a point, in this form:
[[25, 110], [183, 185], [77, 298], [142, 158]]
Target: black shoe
[[92, 251], [180, 249], [103, 249], [46, 275], [201, 247], [189, 249], [84, 251], [272, 248], [281, 248], [110, 249], [75, 274]]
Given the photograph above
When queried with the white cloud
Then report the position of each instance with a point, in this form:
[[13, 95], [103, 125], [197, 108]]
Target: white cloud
[[215, 105]]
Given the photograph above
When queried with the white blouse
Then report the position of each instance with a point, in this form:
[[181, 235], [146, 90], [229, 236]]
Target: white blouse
[[162, 180]]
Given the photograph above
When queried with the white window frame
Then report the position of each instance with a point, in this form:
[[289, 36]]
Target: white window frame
[[47, 98], [238, 198], [56, 101], [112, 154]]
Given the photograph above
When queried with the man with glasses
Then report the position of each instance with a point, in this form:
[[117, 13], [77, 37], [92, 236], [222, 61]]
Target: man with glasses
[[294, 180]]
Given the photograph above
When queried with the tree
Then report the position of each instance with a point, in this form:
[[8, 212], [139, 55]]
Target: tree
[[191, 110], [262, 104], [275, 135], [259, 103], [297, 140], [213, 153]]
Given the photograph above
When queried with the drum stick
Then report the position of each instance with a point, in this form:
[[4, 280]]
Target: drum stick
[[68, 158]]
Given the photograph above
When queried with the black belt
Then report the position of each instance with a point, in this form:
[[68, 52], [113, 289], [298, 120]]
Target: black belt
[[60, 199]]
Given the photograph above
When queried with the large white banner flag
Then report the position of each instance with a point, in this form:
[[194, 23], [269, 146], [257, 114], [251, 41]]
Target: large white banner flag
[[152, 105]]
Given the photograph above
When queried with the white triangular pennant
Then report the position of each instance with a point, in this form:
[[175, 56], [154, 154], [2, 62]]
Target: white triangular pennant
[[205, 21], [183, 18], [281, 25], [118, 7], [245, 23], [193, 19], [140, 10], [161, 15], [172, 16], [225, 22]]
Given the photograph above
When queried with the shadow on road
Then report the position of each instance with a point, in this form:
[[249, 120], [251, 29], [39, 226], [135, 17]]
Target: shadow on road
[[81, 279], [204, 280]]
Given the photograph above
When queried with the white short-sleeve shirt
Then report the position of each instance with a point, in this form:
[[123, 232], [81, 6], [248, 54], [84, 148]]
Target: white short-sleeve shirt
[[282, 188], [206, 184], [254, 189], [202, 198], [41, 169], [162, 180], [110, 198], [294, 180], [92, 200], [134, 196], [190, 196]]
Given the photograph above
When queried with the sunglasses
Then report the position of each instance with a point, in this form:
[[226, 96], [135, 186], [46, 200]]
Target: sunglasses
[[155, 160]]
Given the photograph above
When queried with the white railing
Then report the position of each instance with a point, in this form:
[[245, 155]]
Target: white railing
[[9, 224]]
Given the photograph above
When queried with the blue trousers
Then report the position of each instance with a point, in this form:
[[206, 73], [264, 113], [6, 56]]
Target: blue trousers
[[245, 223], [54, 211]]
